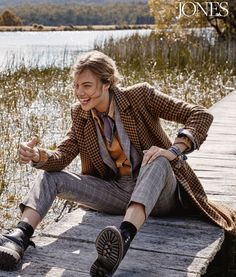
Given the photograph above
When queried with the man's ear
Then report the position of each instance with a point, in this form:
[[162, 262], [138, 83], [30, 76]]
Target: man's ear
[[106, 86]]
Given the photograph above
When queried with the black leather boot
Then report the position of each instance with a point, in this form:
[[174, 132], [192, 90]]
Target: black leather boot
[[112, 245], [12, 248]]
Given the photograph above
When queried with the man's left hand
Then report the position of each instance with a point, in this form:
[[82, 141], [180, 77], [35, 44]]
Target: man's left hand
[[154, 152]]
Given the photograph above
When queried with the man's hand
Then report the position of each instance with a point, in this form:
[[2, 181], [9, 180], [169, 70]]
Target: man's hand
[[28, 152], [154, 152]]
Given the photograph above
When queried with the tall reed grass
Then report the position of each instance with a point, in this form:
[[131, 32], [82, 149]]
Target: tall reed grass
[[36, 101], [198, 69]]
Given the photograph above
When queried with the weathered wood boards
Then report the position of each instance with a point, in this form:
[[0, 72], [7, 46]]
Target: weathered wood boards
[[165, 247], [215, 163]]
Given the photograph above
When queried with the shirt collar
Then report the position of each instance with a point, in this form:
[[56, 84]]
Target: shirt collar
[[111, 111]]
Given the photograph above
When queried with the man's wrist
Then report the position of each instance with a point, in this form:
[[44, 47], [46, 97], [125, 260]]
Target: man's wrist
[[178, 151], [174, 149], [182, 146]]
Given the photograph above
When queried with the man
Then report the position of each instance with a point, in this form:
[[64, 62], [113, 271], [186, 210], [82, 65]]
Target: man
[[128, 164]]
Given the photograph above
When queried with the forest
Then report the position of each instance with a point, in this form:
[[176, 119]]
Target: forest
[[7, 3], [89, 14]]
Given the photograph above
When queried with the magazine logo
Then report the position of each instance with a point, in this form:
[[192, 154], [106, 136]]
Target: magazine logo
[[214, 9]]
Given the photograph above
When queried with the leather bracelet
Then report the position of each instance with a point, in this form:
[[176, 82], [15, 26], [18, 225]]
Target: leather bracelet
[[175, 150]]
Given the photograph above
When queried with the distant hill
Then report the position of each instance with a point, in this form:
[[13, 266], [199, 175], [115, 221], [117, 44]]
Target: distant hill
[[65, 14], [9, 3], [80, 12]]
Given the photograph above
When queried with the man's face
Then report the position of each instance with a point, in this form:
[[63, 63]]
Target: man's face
[[91, 92]]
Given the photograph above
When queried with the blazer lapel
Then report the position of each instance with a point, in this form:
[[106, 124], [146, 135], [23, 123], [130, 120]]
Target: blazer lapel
[[124, 140], [131, 130], [127, 119]]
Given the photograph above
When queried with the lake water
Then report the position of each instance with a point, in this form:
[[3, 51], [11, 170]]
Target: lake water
[[51, 48]]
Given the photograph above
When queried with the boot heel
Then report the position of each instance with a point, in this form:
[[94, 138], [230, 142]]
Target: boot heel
[[109, 245]]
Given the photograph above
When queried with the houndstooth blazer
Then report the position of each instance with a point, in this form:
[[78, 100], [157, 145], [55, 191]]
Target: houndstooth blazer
[[141, 107]]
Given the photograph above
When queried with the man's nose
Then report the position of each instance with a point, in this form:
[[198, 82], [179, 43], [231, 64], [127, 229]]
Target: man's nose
[[79, 91]]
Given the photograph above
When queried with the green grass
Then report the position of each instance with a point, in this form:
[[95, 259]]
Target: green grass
[[37, 101]]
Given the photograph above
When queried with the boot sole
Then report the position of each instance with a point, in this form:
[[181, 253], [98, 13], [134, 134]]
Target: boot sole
[[9, 259], [109, 245]]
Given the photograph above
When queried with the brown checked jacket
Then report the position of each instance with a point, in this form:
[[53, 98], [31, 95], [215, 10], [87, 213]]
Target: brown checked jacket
[[141, 107]]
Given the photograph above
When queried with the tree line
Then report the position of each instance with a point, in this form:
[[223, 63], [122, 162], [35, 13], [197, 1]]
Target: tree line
[[56, 15], [221, 15], [7, 3]]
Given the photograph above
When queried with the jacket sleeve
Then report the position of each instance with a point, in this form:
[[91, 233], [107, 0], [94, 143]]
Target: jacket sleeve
[[62, 156], [196, 119]]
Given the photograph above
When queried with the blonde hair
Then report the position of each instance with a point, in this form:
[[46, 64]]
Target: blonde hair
[[100, 64]]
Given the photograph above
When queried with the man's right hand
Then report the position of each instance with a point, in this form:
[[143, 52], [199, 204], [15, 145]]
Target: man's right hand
[[29, 152]]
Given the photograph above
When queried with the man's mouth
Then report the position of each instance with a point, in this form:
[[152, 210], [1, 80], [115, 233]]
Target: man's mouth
[[84, 101]]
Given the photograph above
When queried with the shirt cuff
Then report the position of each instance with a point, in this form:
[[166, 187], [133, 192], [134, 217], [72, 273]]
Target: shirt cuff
[[184, 133], [43, 158]]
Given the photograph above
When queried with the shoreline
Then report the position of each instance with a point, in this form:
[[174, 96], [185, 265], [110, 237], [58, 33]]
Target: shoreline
[[42, 28]]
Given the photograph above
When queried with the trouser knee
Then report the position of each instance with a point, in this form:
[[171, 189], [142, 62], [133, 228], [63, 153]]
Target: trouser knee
[[42, 193], [161, 162]]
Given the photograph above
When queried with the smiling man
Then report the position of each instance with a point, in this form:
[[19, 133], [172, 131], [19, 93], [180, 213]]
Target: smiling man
[[129, 166]]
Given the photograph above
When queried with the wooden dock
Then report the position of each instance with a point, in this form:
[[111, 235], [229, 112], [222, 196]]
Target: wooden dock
[[165, 247]]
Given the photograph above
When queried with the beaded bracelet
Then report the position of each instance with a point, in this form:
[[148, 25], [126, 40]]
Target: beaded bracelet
[[175, 150]]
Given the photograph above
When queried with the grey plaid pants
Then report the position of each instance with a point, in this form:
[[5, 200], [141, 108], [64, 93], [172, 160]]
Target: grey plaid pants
[[155, 188]]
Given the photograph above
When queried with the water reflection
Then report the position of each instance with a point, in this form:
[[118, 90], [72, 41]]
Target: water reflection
[[44, 49]]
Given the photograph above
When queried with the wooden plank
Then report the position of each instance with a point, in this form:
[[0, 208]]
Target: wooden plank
[[157, 237], [67, 248], [178, 240], [81, 216], [81, 255], [43, 269], [200, 155], [213, 168], [215, 163], [39, 269], [230, 138], [219, 128], [222, 149], [76, 255], [69, 257], [221, 190], [215, 175], [219, 183]]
